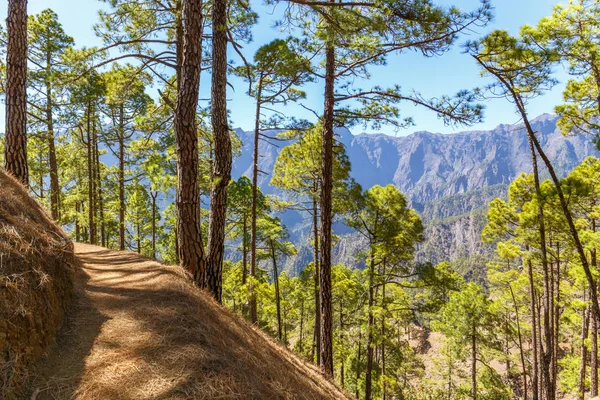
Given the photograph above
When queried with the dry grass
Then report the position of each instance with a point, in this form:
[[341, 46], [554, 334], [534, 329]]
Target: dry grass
[[141, 330], [35, 283]]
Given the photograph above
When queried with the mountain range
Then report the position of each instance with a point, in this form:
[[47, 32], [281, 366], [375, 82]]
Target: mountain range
[[448, 178]]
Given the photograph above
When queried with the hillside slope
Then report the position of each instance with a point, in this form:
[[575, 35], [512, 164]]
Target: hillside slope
[[141, 330], [35, 283]]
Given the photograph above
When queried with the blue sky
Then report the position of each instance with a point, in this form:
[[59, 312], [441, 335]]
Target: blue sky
[[431, 76]]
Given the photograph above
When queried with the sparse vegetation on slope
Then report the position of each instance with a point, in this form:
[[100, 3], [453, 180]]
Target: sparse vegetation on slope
[[35, 283]]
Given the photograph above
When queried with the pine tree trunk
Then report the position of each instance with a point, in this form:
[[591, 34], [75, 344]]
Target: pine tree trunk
[[316, 276], [301, 340], [253, 239], [535, 369], [474, 362], [583, 353], [594, 350], [252, 297], [15, 146], [77, 229], [556, 323], [342, 373], [370, 322], [548, 292], [383, 384], [358, 364], [221, 172], [41, 177], [139, 237], [188, 237], [179, 40], [540, 350], [99, 188], [54, 185], [91, 176], [326, 362], [121, 178], [277, 294], [521, 353], [154, 195]]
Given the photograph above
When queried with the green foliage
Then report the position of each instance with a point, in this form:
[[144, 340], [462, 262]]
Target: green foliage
[[572, 31], [101, 110]]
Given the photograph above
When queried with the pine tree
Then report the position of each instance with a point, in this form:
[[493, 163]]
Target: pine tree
[[240, 210], [126, 102], [277, 70], [189, 234], [392, 230], [522, 70], [15, 147], [48, 44], [467, 323], [572, 31], [339, 30], [222, 162], [298, 172]]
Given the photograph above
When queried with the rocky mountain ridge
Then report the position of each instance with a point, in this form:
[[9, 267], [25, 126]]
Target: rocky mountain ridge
[[445, 176]]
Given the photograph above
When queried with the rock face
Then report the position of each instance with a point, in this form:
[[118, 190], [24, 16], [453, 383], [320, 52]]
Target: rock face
[[429, 166], [443, 175]]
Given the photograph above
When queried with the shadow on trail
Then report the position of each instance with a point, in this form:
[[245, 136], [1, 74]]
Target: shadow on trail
[[140, 330], [60, 371]]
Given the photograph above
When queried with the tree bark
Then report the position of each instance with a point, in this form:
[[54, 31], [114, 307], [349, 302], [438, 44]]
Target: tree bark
[[370, 322], [548, 293], [121, 178], [316, 276], [535, 368], [54, 185], [77, 228], [342, 373], [301, 340], [154, 195], [139, 237], [383, 384], [103, 240], [91, 176], [556, 323], [41, 177], [253, 239], [521, 353], [594, 350], [15, 149], [188, 237], [583, 353], [474, 363], [358, 363], [252, 298], [179, 40], [277, 293], [326, 362], [221, 173]]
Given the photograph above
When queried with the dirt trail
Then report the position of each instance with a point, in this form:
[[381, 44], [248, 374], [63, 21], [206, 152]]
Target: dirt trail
[[139, 330]]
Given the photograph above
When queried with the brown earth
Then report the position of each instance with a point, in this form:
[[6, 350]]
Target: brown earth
[[140, 330]]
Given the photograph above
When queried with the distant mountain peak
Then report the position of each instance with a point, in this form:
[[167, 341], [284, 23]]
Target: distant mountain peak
[[427, 166], [545, 117]]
